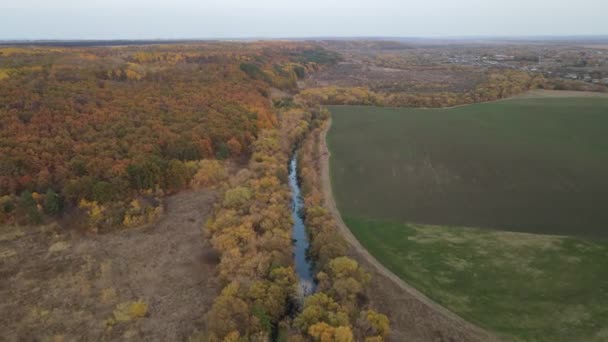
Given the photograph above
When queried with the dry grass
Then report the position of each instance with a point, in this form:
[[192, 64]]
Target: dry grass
[[150, 283]]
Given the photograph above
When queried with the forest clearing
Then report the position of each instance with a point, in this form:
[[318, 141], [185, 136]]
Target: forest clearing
[[149, 283]]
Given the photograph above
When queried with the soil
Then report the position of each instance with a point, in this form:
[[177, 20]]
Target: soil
[[62, 285], [413, 316]]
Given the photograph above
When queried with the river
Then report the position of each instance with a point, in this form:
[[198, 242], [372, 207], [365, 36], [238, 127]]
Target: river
[[304, 269]]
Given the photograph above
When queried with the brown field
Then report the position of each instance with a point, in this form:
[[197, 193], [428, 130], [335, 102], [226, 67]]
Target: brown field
[[411, 79], [63, 285]]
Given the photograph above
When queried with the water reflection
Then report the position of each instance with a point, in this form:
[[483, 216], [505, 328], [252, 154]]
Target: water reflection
[[306, 283]]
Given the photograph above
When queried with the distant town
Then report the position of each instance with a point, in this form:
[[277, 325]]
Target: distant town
[[587, 64]]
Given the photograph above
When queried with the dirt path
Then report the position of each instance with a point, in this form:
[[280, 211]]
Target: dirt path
[[414, 317], [62, 286]]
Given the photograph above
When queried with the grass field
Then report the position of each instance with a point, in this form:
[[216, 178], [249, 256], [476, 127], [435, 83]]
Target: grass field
[[522, 286], [407, 180], [528, 165]]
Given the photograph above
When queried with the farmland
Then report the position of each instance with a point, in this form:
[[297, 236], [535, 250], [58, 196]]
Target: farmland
[[529, 165], [521, 286], [526, 172]]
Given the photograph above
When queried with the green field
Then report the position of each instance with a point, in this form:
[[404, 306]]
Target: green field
[[406, 180], [521, 286], [529, 165]]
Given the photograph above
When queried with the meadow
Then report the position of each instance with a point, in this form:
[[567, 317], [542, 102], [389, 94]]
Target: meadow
[[522, 287], [527, 173]]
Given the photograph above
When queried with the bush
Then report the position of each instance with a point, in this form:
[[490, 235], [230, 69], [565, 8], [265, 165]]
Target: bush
[[6, 204], [128, 311]]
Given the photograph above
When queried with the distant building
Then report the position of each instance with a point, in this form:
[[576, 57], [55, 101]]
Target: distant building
[[503, 57], [572, 76]]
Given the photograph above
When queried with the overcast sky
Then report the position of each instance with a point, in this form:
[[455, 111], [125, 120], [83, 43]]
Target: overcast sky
[[150, 19]]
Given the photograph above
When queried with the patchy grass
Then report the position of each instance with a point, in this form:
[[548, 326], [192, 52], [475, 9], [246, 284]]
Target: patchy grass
[[522, 286], [128, 311], [58, 283], [108, 295], [3, 74], [7, 253], [10, 233], [59, 246]]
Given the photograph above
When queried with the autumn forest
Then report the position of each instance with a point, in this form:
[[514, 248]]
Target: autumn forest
[[100, 126], [96, 141]]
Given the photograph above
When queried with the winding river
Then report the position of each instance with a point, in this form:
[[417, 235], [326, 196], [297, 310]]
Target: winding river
[[306, 282]]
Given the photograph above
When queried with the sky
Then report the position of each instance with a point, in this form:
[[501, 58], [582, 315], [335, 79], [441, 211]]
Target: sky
[[224, 19]]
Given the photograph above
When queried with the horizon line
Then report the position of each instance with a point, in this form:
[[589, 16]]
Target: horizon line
[[315, 37]]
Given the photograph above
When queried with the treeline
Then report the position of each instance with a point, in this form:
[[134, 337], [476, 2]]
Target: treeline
[[100, 127], [498, 84], [559, 84], [339, 310], [251, 229]]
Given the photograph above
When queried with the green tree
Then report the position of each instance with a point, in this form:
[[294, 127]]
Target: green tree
[[223, 152], [52, 203], [103, 192], [177, 175], [145, 174], [28, 204], [300, 71], [79, 188]]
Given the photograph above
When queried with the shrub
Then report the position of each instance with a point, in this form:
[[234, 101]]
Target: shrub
[[128, 311]]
